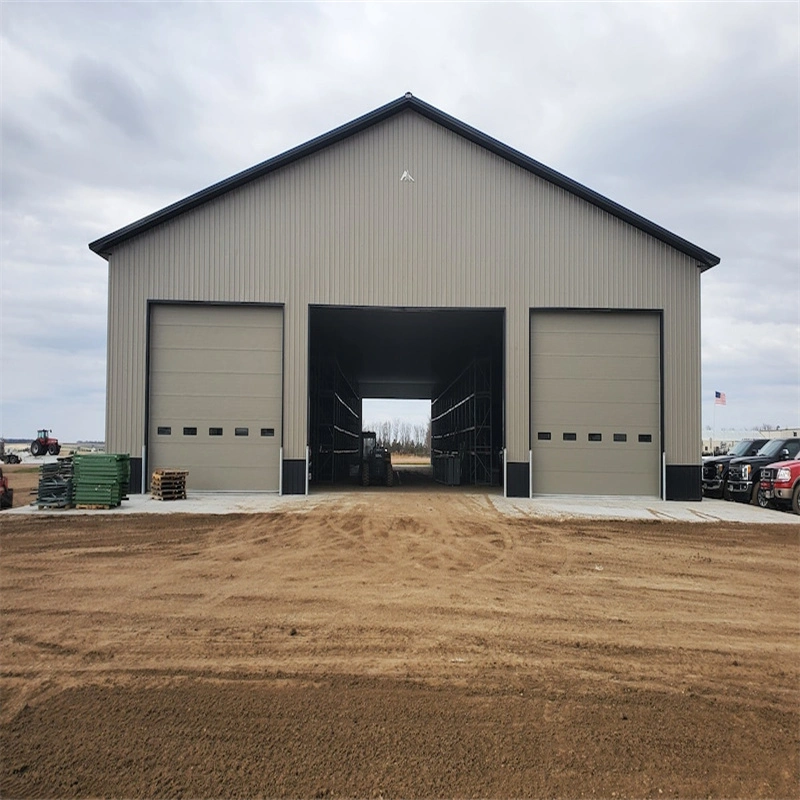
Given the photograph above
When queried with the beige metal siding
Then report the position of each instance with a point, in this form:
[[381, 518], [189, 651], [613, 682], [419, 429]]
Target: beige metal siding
[[216, 368], [339, 227], [595, 376]]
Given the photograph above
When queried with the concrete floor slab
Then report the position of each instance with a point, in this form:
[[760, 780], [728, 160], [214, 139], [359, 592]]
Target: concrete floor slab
[[642, 508], [561, 507]]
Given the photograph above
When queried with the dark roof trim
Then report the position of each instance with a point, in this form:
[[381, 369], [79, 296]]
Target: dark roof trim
[[106, 244]]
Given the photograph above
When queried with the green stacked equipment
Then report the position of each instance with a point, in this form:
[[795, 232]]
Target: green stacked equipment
[[101, 479]]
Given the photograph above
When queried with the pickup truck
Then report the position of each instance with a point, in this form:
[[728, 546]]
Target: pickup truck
[[744, 474], [715, 469], [780, 483]]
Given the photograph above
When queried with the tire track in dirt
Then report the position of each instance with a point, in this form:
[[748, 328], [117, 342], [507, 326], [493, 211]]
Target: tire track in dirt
[[436, 593]]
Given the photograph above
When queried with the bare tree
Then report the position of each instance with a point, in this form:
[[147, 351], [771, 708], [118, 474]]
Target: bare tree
[[403, 437]]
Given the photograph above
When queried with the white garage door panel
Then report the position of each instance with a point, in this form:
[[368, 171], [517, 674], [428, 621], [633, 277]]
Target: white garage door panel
[[216, 367], [597, 343], [562, 390], [219, 336], [197, 448], [563, 419], [597, 458], [203, 454], [595, 374], [239, 363], [239, 410], [631, 368], [213, 385]]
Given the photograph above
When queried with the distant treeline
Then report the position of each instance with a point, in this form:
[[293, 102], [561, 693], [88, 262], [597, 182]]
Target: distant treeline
[[403, 437]]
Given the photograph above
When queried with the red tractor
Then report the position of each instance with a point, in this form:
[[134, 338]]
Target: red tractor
[[43, 443]]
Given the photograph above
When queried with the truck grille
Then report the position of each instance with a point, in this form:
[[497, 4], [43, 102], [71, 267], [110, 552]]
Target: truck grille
[[768, 474], [735, 473], [709, 471]]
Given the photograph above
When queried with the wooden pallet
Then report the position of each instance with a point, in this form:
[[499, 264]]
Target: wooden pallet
[[168, 484], [95, 506], [168, 473]]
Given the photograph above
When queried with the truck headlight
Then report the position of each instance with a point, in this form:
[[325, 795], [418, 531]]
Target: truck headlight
[[746, 469], [720, 470], [783, 474]]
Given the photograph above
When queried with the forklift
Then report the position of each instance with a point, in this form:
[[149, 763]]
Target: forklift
[[376, 461]]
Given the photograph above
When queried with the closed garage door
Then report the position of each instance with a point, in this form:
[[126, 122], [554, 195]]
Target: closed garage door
[[595, 403], [215, 394]]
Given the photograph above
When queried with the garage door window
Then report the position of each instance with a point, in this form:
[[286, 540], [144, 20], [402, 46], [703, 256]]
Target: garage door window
[[215, 431], [190, 431]]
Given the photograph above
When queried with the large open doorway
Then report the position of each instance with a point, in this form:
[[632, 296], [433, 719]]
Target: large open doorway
[[452, 358]]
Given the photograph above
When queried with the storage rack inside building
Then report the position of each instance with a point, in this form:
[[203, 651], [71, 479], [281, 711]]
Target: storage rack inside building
[[335, 422], [461, 427]]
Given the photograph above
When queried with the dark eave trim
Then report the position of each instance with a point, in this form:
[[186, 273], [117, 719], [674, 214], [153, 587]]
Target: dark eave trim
[[106, 244]]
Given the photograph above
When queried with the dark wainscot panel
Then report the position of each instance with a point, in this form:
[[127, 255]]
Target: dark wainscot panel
[[684, 482], [294, 476], [135, 485], [518, 478]]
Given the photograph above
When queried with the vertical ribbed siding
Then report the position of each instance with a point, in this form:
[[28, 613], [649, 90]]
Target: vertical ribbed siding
[[340, 228]]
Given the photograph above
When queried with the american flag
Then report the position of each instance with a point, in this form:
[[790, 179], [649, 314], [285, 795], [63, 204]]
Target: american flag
[[719, 398]]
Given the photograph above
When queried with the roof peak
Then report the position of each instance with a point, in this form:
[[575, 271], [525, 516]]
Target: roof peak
[[105, 244]]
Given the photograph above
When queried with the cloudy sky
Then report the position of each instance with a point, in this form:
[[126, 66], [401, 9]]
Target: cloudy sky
[[686, 113]]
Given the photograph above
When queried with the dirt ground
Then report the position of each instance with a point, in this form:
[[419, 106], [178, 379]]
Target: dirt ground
[[397, 644], [23, 479]]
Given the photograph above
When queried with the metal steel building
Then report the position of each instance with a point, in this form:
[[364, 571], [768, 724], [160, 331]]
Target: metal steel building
[[406, 254]]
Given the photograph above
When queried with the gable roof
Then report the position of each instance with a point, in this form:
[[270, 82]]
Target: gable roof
[[104, 245]]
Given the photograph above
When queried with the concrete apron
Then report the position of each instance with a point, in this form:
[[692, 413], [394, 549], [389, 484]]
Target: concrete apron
[[559, 507]]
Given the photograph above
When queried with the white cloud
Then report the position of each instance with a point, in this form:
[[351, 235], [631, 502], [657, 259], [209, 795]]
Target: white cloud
[[686, 113]]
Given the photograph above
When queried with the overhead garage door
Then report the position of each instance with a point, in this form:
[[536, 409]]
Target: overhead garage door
[[215, 394], [595, 403]]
